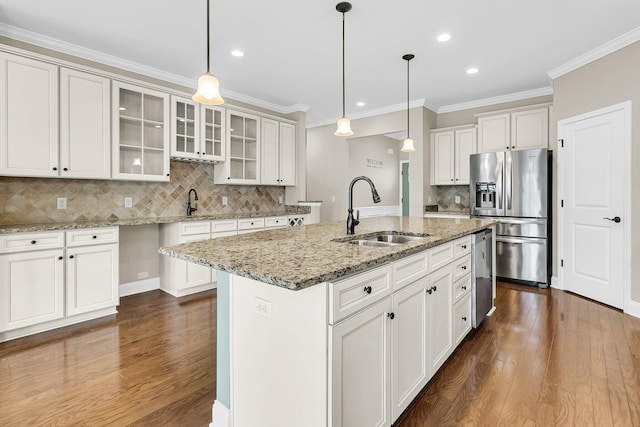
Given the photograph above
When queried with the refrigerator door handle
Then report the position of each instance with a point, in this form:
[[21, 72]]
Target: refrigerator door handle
[[520, 221], [509, 176], [519, 240]]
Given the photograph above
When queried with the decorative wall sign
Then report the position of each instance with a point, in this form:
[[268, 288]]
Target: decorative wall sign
[[373, 163]]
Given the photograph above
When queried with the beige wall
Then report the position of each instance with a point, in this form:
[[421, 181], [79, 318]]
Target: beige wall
[[369, 156], [328, 174], [610, 80]]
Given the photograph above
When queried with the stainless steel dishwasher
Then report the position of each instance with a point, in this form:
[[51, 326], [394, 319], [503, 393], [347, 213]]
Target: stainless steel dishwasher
[[481, 276]]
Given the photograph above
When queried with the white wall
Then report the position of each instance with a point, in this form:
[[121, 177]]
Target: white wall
[[370, 156]]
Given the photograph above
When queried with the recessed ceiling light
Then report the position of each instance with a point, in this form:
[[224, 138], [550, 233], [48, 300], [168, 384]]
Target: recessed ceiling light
[[237, 53], [360, 104], [472, 70], [444, 37]]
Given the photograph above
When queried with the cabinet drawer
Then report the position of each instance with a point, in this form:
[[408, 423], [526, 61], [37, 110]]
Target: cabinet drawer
[[224, 225], [462, 319], [224, 234], [409, 269], [276, 221], [21, 242], [195, 227], [440, 256], [461, 267], [462, 287], [357, 292], [251, 224], [462, 246], [92, 236]]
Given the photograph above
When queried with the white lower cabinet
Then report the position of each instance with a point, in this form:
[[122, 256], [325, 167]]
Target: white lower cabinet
[[462, 318], [178, 277], [361, 368], [46, 283], [439, 319]]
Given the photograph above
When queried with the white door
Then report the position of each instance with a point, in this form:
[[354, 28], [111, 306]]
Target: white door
[[592, 154]]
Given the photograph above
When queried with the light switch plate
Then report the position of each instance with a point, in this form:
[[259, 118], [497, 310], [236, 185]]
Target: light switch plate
[[280, 199], [224, 200], [128, 202], [62, 203], [457, 199]]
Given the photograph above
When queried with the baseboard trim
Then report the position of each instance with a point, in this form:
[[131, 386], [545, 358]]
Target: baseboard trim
[[221, 415], [555, 283], [632, 308], [139, 286]]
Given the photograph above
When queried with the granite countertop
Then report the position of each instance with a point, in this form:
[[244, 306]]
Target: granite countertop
[[59, 226], [298, 257]]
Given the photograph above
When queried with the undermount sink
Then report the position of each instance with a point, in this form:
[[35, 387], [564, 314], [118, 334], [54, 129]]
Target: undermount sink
[[383, 239]]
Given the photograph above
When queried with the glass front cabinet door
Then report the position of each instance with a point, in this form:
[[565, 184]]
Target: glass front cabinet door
[[140, 133], [197, 131], [243, 147]]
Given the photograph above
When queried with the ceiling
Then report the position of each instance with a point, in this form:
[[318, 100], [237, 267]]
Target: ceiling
[[293, 47]]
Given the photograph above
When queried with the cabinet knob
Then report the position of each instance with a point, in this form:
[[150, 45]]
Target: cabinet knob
[[513, 146], [464, 318], [367, 289], [391, 315], [430, 290], [65, 169], [71, 256], [464, 246], [197, 152], [33, 242], [228, 177], [55, 168], [451, 179], [59, 257], [435, 288], [167, 174], [464, 288], [507, 147], [464, 267], [95, 237]]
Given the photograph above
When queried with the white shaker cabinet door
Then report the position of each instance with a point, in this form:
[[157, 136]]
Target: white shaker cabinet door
[[465, 147], [361, 368], [287, 154], [92, 278], [31, 288], [28, 117], [444, 158], [270, 134], [494, 133], [85, 125], [440, 320]]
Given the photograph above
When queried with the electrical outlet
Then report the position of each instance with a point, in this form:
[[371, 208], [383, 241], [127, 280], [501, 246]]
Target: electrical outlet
[[224, 200], [128, 202], [457, 199], [280, 199], [62, 203], [262, 307], [143, 275]]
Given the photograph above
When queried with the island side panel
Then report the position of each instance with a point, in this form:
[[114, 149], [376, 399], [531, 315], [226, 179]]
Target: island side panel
[[222, 405], [278, 355]]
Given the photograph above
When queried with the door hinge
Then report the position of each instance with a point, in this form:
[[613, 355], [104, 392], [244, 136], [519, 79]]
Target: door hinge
[[561, 263], [561, 141]]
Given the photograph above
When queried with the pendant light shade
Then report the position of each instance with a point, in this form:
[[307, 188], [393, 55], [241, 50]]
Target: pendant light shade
[[407, 144], [208, 86], [344, 124]]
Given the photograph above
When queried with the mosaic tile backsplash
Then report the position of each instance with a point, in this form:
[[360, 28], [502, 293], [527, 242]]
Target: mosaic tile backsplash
[[33, 200], [446, 196]]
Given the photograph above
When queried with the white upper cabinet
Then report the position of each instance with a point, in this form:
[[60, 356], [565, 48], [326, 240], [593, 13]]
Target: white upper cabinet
[[140, 133], [196, 131], [278, 153], [85, 132], [28, 117], [451, 149], [520, 129], [242, 165]]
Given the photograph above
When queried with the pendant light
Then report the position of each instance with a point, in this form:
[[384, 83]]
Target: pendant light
[[344, 125], [407, 144], [208, 86]]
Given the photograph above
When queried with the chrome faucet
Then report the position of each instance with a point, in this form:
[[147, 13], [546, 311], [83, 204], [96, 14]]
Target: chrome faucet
[[351, 221], [189, 208]]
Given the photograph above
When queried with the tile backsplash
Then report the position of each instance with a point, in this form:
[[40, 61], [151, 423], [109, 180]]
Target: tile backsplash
[[446, 196], [33, 200]]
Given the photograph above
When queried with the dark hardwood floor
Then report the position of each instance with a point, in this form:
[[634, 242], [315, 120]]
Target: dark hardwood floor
[[544, 358]]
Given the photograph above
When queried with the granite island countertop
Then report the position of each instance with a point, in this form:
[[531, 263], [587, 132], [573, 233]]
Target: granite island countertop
[[298, 257], [72, 225]]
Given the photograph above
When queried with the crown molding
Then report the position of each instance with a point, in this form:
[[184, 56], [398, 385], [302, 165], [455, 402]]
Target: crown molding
[[57, 45], [517, 96], [373, 112], [597, 53]]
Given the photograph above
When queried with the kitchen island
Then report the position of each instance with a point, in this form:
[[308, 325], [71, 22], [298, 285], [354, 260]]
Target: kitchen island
[[314, 330]]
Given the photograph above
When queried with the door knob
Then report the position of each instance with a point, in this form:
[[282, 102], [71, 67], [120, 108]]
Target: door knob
[[615, 219]]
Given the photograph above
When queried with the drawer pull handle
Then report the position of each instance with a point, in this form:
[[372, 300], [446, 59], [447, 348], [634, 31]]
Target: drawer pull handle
[[464, 318], [464, 288], [367, 289], [71, 256], [391, 315], [33, 242]]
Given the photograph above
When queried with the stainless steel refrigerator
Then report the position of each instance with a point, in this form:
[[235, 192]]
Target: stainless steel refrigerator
[[514, 187]]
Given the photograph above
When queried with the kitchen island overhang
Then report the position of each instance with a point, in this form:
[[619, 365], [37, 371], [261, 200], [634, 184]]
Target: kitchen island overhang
[[274, 346]]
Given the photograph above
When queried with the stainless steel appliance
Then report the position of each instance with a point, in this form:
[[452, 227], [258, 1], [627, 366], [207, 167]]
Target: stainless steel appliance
[[481, 277], [513, 187]]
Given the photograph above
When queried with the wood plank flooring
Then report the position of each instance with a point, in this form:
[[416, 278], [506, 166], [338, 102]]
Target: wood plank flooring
[[545, 358]]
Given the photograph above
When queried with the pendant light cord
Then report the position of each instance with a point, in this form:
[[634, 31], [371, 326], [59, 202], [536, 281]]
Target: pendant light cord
[[343, 79], [408, 98], [208, 41]]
